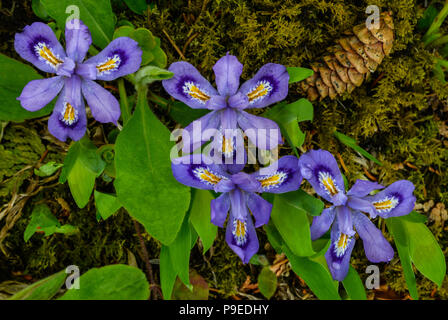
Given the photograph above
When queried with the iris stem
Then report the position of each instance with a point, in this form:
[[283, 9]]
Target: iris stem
[[437, 23], [124, 103], [158, 100]]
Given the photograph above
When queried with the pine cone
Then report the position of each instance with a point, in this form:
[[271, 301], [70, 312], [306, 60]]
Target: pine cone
[[351, 60]]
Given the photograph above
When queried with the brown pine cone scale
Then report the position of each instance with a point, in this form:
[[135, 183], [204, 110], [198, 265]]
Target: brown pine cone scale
[[349, 62]]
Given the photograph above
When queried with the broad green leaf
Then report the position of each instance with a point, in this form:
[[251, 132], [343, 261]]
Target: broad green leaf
[[138, 6], [42, 220], [39, 9], [293, 225], [142, 158], [354, 285], [274, 237], [428, 17], [398, 232], [350, 142], [267, 282], [14, 76], [180, 252], [146, 41], [259, 260], [168, 274], [425, 252], [47, 169], [96, 14], [416, 217], [287, 117], [315, 275], [183, 114], [199, 290], [160, 58], [43, 289], [82, 166], [297, 74], [200, 217], [107, 204], [302, 200], [114, 282], [123, 31]]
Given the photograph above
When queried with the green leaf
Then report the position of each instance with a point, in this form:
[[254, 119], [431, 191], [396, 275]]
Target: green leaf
[[42, 220], [316, 276], [398, 232], [416, 244], [168, 274], [149, 74], [160, 58], [428, 17], [14, 76], [114, 282], [200, 217], [43, 289], [349, 142], [138, 6], [96, 14], [39, 9], [297, 74], [425, 252], [142, 158], [302, 200], [107, 204], [123, 31], [180, 252], [354, 285], [183, 114], [81, 167], [416, 217], [267, 282], [293, 225], [287, 117], [199, 290], [47, 169]]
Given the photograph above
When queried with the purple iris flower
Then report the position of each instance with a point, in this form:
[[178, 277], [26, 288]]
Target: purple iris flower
[[320, 168], [74, 77], [239, 195], [228, 118]]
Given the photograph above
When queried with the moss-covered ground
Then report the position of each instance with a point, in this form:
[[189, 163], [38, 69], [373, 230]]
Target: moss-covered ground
[[399, 115]]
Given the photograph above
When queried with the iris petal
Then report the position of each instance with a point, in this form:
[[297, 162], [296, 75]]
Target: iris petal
[[197, 171], [394, 201], [269, 85], [78, 39], [121, 57], [377, 248], [68, 119], [219, 209], [339, 252], [242, 237], [188, 85], [322, 223], [38, 93], [262, 132], [227, 74], [38, 44], [104, 106], [321, 170], [281, 176], [260, 208]]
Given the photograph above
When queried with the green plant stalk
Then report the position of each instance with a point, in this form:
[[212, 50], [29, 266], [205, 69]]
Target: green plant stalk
[[124, 103], [158, 100], [440, 41], [435, 26]]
